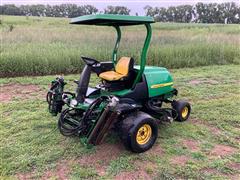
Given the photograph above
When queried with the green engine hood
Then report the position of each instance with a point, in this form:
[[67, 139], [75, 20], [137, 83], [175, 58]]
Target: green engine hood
[[159, 80]]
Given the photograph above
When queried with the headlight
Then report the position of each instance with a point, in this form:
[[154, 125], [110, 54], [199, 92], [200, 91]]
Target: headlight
[[73, 103]]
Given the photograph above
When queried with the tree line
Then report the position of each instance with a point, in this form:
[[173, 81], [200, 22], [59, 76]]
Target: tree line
[[199, 13], [63, 10]]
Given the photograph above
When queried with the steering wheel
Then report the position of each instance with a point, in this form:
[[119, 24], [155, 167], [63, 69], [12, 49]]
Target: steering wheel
[[90, 61]]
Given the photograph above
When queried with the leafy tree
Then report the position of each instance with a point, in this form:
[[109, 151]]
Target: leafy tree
[[150, 11], [11, 9], [217, 13], [162, 15], [37, 10], [202, 13], [183, 13], [171, 13], [117, 10], [89, 9], [63, 10], [49, 11], [231, 12], [25, 9], [72, 10]]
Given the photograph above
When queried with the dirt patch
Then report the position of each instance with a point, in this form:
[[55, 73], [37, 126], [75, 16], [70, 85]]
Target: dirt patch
[[214, 171], [134, 175], [98, 160], [203, 81], [5, 97], [10, 91], [191, 145], [146, 166], [222, 150], [234, 177], [156, 150], [234, 166], [61, 171], [194, 82], [209, 171], [180, 160], [25, 176], [102, 157], [213, 129], [237, 81], [237, 138]]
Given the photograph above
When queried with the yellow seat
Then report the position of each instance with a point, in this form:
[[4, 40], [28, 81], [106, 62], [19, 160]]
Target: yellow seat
[[121, 70]]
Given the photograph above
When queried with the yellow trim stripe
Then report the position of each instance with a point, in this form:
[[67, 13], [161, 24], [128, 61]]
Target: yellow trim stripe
[[162, 85]]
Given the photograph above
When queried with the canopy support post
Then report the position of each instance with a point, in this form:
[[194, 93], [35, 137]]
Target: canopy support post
[[115, 50], [144, 53]]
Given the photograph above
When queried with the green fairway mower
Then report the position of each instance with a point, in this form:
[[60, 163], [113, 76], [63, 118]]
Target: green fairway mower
[[128, 100]]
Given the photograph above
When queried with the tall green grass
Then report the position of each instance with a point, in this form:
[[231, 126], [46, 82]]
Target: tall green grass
[[39, 46]]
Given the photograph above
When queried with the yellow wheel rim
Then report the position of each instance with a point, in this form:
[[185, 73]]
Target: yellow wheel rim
[[185, 112], [144, 134]]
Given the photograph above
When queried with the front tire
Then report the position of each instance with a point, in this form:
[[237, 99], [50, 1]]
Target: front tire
[[183, 110], [139, 132]]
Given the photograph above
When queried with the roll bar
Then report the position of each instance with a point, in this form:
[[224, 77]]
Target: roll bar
[[143, 53]]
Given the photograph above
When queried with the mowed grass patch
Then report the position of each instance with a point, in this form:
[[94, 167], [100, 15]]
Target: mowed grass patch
[[205, 147], [40, 46]]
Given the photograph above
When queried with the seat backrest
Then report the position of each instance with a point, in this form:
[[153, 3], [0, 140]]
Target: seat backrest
[[124, 65]]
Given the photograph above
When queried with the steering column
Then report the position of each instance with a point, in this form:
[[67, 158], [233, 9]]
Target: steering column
[[85, 78]]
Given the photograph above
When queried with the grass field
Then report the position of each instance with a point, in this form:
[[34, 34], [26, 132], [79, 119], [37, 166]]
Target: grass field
[[205, 147], [40, 46]]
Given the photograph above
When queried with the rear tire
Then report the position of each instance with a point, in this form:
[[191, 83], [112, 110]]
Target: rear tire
[[139, 132], [183, 110]]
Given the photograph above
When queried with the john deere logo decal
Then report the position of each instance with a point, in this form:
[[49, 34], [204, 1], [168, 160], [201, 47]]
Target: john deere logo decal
[[161, 85]]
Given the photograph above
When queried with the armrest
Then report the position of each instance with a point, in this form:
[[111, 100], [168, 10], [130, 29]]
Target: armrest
[[106, 66], [103, 67]]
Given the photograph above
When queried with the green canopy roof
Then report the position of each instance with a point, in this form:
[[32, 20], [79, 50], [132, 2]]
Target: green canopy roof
[[111, 20]]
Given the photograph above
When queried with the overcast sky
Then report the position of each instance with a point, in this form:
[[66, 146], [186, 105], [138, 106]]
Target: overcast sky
[[134, 5]]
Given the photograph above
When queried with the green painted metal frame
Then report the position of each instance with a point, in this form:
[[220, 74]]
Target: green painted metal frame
[[115, 50], [143, 54]]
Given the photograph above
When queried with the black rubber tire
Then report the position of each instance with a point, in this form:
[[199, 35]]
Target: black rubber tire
[[129, 128], [178, 106]]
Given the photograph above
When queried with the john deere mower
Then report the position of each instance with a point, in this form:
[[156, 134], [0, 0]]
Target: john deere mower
[[129, 98]]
